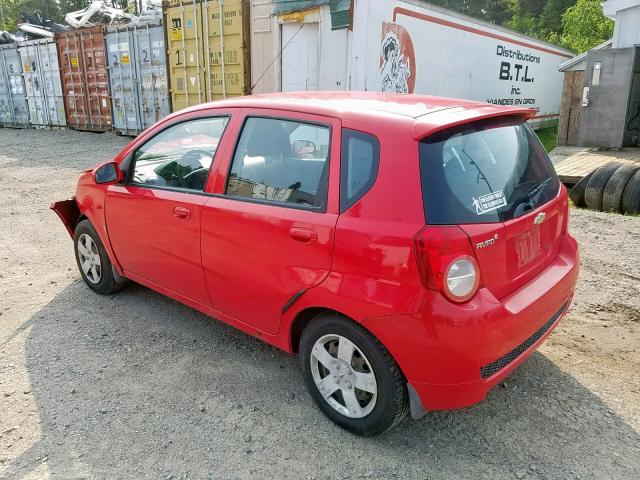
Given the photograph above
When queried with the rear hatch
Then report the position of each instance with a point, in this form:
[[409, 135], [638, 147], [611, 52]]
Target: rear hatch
[[494, 179]]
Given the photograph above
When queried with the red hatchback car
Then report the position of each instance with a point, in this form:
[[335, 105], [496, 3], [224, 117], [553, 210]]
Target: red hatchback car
[[411, 250]]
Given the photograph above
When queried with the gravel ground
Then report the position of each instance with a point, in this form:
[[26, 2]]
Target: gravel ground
[[138, 386]]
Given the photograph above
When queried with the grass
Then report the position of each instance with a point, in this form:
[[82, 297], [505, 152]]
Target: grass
[[548, 136]]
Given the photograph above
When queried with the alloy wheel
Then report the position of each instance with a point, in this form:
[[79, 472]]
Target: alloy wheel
[[89, 258], [344, 376]]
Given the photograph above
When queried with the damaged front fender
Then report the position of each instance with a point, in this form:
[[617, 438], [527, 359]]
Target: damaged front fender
[[68, 212]]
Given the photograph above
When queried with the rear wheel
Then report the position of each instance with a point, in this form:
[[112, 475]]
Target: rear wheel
[[351, 376], [93, 261]]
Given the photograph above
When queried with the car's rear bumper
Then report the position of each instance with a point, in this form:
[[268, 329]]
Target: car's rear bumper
[[452, 355]]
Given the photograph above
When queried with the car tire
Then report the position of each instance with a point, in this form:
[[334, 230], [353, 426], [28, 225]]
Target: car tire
[[93, 261], [595, 188], [376, 410], [576, 194], [612, 196], [630, 202]]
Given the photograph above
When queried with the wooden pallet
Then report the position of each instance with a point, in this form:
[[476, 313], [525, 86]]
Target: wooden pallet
[[572, 168]]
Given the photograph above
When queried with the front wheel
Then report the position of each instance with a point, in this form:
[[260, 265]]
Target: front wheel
[[351, 376], [93, 261]]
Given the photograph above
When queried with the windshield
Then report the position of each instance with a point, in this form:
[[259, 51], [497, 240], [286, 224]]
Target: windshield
[[484, 172]]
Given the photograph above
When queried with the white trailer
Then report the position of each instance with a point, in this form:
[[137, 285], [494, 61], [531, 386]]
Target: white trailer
[[406, 46], [412, 47]]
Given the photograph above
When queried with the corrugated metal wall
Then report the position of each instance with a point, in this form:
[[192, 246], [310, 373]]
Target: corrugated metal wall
[[208, 50], [13, 100], [136, 59], [41, 72], [85, 79]]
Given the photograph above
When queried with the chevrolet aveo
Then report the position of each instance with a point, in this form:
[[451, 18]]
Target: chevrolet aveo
[[412, 250]]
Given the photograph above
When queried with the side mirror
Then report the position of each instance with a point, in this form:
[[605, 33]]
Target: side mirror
[[303, 147], [108, 173]]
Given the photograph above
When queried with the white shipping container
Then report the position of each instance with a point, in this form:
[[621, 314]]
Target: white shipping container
[[412, 47], [13, 98], [43, 85]]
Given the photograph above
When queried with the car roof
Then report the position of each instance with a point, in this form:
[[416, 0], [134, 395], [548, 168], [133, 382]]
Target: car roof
[[362, 106]]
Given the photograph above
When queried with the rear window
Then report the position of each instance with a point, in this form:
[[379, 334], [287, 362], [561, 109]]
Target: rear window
[[484, 172]]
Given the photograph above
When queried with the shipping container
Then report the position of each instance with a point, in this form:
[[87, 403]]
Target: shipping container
[[207, 50], [13, 99], [85, 79], [41, 72], [136, 58]]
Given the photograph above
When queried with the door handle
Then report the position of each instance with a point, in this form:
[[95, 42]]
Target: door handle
[[181, 213], [303, 235]]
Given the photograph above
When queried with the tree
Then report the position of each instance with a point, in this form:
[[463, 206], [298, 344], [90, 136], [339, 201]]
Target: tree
[[13, 12], [584, 26], [493, 11]]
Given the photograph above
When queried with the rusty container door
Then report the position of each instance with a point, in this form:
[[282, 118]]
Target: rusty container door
[[43, 87], [13, 99], [85, 79], [226, 29], [183, 21]]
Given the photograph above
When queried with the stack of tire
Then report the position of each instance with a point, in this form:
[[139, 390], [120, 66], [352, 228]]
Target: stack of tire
[[613, 187]]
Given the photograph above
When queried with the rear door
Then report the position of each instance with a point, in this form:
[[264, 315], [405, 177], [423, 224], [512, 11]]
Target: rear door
[[494, 179], [268, 233]]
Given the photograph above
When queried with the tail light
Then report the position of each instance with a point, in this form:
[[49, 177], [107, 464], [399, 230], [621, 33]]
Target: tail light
[[565, 212], [447, 263]]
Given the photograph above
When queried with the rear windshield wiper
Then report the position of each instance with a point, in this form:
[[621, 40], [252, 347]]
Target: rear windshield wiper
[[533, 194], [531, 198]]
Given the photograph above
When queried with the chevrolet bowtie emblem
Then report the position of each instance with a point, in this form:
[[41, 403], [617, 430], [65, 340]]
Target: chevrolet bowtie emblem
[[539, 218]]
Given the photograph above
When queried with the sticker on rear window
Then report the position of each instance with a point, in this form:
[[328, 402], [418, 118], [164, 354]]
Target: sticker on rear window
[[489, 202]]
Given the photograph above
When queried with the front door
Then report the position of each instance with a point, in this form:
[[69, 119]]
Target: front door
[[300, 57], [268, 236], [154, 218]]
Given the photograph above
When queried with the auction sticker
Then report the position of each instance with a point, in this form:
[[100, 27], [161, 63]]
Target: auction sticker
[[489, 202]]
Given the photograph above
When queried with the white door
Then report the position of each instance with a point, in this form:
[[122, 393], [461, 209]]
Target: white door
[[300, 56]]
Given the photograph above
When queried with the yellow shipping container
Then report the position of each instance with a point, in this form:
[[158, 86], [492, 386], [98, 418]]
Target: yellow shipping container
[[203, 64]]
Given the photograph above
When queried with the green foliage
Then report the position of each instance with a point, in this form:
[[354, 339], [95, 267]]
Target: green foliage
[[13, 12], [548, 136], [575, 24], [585, 26], [493, 11]]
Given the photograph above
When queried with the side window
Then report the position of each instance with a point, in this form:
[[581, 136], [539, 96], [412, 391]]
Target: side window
[[281, 161], [360, 156], [179, 156]]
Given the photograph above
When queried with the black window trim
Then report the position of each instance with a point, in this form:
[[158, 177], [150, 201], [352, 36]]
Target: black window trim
[[132, 162], [345, 203], [295, 206]]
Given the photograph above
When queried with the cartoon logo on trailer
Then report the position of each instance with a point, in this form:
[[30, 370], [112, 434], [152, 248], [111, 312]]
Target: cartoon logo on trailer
[[397, 59]]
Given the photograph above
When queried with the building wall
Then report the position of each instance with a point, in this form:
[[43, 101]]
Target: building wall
[[602, 122], [626, 15], [266, 38], [265, 45], [627, 29]]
